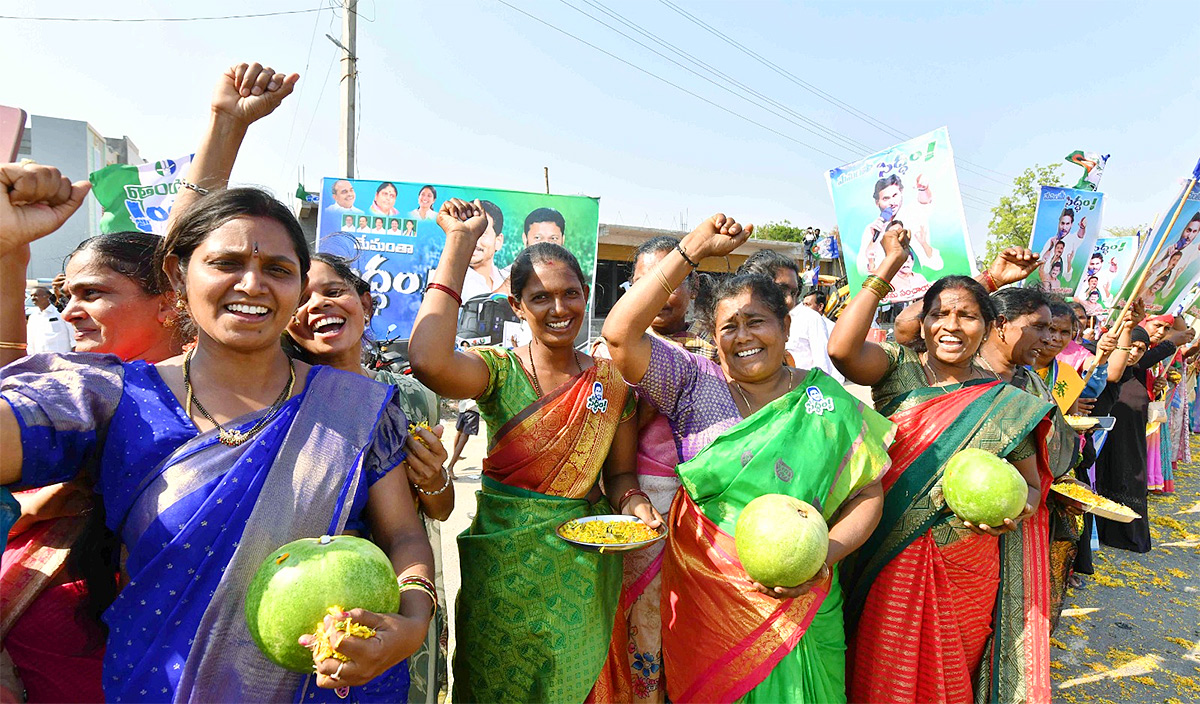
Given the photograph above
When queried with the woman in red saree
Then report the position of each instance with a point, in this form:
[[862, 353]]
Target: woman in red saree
[[939, 609]]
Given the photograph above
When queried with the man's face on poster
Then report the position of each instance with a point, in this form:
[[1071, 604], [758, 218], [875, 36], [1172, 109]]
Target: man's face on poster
[[1190, 232], [544, 232], [891, 197], [1058, 249], [489, 242], [343, 193], [1064, 225]]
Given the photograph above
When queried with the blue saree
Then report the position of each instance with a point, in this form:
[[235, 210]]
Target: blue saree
[[198, 517]]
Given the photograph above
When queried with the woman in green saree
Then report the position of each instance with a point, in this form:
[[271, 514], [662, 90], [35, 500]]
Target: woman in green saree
[[535, 616], [940, 610], [746, 427]]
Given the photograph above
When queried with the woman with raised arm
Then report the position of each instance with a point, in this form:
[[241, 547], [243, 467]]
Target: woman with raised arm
[[328, 328], [211, 460], [535, 616], [59, 571], [937, 606], [746, 427]]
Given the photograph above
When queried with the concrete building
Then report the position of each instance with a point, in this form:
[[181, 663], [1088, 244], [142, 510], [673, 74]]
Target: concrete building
[[77, 149]]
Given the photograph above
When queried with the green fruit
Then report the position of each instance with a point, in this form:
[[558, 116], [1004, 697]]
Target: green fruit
[[781, 541], [983, 488], [293, 589]]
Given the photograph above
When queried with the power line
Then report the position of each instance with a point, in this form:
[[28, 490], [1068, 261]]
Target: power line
[[316, 108], [157, 19], [300, 95], [859, 114], [673, 85]]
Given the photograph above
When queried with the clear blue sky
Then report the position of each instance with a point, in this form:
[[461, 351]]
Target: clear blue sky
[[477, 93]]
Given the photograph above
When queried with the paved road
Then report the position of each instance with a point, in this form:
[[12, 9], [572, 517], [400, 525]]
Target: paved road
[[1132, 632]]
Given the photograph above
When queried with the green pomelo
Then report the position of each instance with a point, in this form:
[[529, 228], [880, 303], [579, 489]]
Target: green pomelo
[[983, 488], [781, 541], [293, 589]]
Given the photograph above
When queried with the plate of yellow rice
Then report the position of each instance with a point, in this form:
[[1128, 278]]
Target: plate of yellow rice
[[609, 533]]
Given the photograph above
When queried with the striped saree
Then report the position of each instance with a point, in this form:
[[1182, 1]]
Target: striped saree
[[937, 613]]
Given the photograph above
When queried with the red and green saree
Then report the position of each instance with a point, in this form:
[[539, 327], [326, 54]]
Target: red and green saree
[[935, 612], [535, 615]]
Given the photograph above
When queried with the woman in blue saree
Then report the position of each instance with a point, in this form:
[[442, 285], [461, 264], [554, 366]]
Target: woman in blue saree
[[209, 461]]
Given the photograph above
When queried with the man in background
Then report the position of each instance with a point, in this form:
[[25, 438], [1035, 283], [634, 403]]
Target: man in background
[[545, 225], [45, 330]]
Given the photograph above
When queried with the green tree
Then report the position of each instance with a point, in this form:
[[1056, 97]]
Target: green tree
[[1012, 218], [783, 231], [1126, 230]]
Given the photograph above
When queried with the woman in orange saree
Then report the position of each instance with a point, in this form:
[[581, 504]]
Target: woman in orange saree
[[534, 616], [938, 609]]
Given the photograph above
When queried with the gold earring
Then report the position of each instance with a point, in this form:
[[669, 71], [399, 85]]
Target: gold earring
[[180, 305]]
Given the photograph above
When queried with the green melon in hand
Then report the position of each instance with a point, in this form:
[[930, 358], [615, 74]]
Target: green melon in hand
[[781, 541], [983, 488], [294, 587]]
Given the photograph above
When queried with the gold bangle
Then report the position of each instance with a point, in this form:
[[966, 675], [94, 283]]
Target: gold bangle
[[408, 586], [662, 279], [878, 286], [13, 345]]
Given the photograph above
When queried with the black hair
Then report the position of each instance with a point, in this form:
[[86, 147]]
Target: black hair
[[894, 222], [1067, 212], [494, 214], [1059, 308], [1014, 302], [341, 267], [380, 220], [663, 244], [1140, 334], [892, 180], [761, 287], [130, 254], [431, 190], [546, 215], [218, 208], [540, 253], [820, 296], [386, 184], [1056, 263], [703, 305], [987, 309], [95, 558], [767, 262]]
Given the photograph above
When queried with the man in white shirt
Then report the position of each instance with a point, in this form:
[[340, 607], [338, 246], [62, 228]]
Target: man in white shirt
[[343, 198], [483, 276], [808, 338], [46, 331]]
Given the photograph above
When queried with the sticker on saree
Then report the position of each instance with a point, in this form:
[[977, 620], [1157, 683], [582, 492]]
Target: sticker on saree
[[596, 403], [817, 403]]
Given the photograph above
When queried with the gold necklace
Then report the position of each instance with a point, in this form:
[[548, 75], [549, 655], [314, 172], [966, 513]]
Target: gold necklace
[[234, 437], [742, 392], [931, 377], [989, 367], [537, 386]]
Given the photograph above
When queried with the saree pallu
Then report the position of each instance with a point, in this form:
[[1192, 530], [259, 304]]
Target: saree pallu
[[722, 640], [200, 526], [637, 657], [1154, 459], [535, 616], [937, 613]]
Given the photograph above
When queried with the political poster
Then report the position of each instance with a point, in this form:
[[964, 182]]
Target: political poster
[[389, 230], [912, 185], [138, 197], [1065, 228], [1170, 257], [1111, 259]]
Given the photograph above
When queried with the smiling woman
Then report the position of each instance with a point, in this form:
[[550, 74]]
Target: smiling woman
[[233, 447], [943, 400]]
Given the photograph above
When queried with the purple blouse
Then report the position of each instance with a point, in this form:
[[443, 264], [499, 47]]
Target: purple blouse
[[692, 393]]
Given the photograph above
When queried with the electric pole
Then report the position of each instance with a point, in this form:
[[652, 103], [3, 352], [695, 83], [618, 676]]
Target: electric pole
[[346, 145]]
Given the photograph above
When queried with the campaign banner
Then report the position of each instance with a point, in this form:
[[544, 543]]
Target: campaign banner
[[138, 197], [1170, 257], [1065, 228], [1111, 259], [912, 185], [389, 230]]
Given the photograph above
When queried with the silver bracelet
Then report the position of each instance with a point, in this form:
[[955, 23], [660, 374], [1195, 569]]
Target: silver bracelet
[[193, 187], [445, 485]]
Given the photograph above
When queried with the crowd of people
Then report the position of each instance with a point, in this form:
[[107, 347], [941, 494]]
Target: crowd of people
[[215, 406]]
